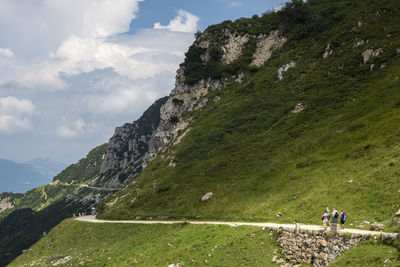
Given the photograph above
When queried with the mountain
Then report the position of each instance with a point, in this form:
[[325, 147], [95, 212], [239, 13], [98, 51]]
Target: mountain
[[272, 118], [25, 217], [281, 114], [20, 177]]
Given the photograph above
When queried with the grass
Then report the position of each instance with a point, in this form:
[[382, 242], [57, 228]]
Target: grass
[[85, 170], [151, 245], [259, 159], [369, 255]]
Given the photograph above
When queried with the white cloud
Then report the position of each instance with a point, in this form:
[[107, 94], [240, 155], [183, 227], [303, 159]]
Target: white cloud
[[98, 47], [184, 22], [39, 26], [15, 114], [85, 77], [75, 129], [235, 4], [87, 54], [6, 52]]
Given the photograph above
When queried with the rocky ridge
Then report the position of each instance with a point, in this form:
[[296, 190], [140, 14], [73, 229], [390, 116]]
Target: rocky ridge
[[133, 145]]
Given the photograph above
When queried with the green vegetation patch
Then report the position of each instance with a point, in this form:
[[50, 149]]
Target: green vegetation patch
[[90, 244], [85, 170], [369, 255]]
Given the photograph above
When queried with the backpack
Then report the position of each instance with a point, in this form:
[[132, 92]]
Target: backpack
[[336, 214], [344, 216]]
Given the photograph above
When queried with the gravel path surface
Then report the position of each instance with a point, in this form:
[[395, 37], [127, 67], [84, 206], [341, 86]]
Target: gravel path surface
[[92, 219]]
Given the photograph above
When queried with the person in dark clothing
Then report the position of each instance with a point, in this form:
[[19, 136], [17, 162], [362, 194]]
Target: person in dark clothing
[[335, 219], [343, 218]]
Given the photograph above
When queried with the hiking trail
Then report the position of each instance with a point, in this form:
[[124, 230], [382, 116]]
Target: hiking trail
[[274, 226]]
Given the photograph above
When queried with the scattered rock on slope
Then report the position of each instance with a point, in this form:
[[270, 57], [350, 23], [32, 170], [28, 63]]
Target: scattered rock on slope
[[207, 196], [298, 108], [284, 69]]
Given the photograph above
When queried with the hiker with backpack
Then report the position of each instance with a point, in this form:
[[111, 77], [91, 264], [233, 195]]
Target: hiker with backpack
[[343, 218], [335, 219]]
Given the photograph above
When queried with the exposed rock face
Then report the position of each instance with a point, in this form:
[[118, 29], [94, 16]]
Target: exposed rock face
[[370, 53], [284, 69], [130, 146], [6, 203], [232, 50], [266, 46], [135, 144]]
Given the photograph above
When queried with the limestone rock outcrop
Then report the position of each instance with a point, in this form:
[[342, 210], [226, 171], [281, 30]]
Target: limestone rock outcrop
[[266, 46], [232, 50], [6, 203], [133, 145], [130, 146]]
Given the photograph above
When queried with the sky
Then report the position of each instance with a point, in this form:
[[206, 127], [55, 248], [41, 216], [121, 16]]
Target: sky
[[73, 70]]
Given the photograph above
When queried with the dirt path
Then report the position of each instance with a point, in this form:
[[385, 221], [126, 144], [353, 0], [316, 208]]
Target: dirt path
[[274, 226], [99, 188]]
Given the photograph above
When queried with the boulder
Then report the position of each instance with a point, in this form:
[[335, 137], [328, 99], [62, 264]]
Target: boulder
[[376, 226], [322, 242], [274, 258], [280, 261], [207, 196], [298, 108]]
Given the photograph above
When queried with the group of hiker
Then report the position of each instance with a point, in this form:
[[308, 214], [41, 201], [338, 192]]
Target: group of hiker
[[334, 215]]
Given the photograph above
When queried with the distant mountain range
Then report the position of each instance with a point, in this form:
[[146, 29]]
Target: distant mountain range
[[21, 177]]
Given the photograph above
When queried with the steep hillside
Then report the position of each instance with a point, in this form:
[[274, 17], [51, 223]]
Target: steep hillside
[[85, 170], [305, 116], [130, 148], [7, 201], [25, 217]]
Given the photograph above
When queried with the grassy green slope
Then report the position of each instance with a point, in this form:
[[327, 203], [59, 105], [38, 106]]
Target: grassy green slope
[[42, 208], [260, 159], [373, 255], [85, 170], [151, 245]]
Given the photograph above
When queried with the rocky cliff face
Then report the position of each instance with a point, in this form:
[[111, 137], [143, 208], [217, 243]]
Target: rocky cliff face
[[133, 145], [6, 203]]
